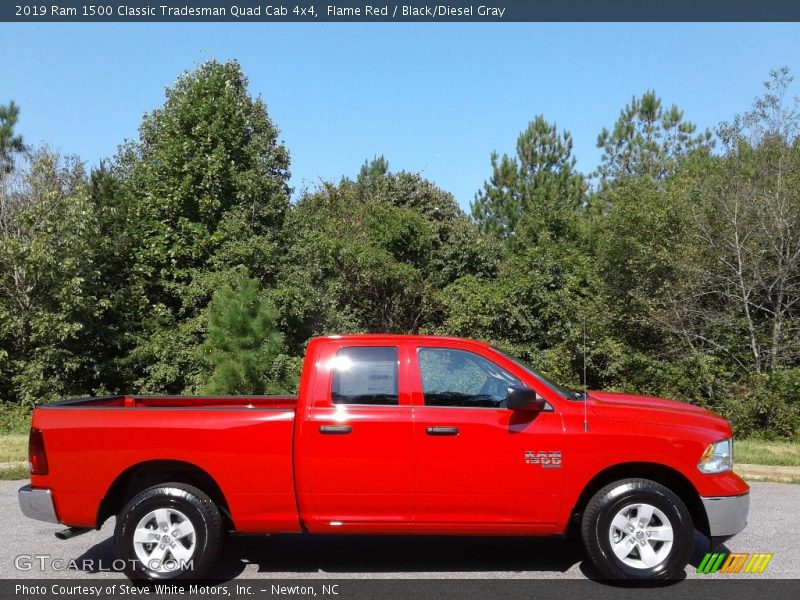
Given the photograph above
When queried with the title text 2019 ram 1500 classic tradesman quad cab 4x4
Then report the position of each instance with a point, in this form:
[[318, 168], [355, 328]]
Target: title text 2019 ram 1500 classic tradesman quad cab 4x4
[[390, 434]]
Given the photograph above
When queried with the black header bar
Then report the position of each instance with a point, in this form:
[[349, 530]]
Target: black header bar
[[497, 11]]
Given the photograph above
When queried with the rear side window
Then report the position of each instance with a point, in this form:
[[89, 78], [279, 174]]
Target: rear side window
[[365, 375]]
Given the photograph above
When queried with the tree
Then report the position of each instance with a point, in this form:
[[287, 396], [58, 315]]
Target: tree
[[374, 169], [208, 183], [54, 303], [648, 140], [242, 345], [535, 202], [10, 142], [700, 272], [209, 156], [369, 256], [533, 308], [748, 224], [540, 183], [112, 207], [641, 246], [640, 232]]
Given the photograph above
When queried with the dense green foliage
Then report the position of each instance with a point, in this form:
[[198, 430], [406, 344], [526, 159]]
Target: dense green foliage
[[182, 266], [243, 347], [373, 255]]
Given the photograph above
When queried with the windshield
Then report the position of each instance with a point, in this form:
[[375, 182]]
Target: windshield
[[561, 391]]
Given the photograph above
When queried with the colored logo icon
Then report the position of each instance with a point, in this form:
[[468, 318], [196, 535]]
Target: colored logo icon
[[734, 562]]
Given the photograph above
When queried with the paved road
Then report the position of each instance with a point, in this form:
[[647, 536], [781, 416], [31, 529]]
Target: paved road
[[774, 527]]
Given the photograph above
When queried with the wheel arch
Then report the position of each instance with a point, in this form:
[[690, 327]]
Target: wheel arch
[[666, 476], [141, 476]]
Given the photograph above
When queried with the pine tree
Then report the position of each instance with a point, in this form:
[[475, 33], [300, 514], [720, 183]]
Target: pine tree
[[648, 140], [10, 143], [373, 169], [540, 183], [242, 342]]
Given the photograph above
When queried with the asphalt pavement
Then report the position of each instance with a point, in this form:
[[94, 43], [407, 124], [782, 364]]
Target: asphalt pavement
[[774, 526]]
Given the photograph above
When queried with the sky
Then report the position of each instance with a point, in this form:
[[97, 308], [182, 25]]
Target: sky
[[436, 99]]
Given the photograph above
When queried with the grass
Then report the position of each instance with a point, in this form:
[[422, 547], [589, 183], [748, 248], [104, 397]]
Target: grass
[[759, 452], [14, 472], [775, 473], [13, 456], [13, 448]]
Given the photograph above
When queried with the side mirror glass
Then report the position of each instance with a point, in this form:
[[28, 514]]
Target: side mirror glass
[[520, 397]]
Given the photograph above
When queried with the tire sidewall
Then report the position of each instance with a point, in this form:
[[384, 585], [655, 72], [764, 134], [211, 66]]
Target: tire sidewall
[[162, 497], [682, 531]]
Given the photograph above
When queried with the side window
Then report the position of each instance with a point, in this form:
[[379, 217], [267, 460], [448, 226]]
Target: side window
[[462, 378], [365, 375]]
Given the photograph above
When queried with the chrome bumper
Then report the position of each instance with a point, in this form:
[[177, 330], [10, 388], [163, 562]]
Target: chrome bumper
[[727, 515], [37, 504]]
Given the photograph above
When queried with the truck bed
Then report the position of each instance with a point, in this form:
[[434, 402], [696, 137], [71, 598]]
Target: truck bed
[[244, 443]]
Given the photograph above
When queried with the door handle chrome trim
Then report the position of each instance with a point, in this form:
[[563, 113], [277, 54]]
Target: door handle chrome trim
[[335, 429], [442, 430]]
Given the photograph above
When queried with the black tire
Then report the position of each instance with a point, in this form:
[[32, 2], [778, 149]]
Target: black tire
[[191, 502], [604, 506]]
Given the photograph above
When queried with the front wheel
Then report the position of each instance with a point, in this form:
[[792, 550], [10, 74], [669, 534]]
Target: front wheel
[[169, 531], [637, 529]]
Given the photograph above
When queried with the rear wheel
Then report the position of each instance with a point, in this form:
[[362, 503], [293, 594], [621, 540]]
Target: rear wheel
[[637, 529], [169, 531]]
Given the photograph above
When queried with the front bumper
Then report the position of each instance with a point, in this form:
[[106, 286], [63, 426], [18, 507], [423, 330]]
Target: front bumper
[[727, 515], [37, 504]]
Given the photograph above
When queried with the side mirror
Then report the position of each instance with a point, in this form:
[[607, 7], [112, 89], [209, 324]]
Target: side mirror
[[520, 397]]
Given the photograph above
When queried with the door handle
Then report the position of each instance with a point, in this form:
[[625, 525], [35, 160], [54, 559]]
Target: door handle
[[335, 429], [442, 431]]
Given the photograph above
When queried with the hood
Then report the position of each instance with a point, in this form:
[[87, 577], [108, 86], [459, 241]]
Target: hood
[[647, 409]]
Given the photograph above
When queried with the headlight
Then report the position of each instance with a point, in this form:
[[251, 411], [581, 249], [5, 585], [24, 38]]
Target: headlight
[[717, 458]]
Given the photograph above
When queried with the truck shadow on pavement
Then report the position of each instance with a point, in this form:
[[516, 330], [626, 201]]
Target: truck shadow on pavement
[[398, 554], [395, 555]]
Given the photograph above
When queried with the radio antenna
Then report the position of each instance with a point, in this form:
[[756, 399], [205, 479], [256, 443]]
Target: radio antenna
[[585, 390]]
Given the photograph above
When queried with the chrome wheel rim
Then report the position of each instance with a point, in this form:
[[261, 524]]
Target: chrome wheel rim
[[164, 541], [641, 536]]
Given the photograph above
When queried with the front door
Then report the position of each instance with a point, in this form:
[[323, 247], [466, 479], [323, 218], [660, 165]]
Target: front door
[[478, 462]]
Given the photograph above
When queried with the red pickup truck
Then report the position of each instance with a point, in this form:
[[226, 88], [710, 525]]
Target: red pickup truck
[[390, 434]]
